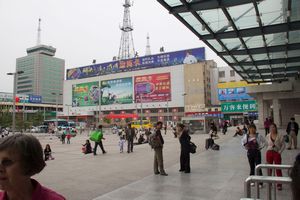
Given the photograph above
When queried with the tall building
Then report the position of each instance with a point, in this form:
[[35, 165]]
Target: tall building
[[43, 73]]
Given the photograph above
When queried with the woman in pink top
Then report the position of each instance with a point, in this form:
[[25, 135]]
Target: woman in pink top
[[275, 147], [21, 156]]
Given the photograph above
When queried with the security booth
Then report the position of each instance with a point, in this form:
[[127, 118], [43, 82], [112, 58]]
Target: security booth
[[200, 124]]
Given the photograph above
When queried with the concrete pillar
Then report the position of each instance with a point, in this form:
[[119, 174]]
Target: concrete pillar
[[276, 112], [262, 110]]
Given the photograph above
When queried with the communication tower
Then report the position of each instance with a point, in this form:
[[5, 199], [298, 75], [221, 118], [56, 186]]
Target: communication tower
[[38, 42]]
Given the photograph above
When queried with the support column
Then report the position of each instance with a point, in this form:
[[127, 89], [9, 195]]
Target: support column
[[262, 111], [276, 112]]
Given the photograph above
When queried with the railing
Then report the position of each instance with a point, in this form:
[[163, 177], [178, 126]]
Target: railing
[[266, 179]]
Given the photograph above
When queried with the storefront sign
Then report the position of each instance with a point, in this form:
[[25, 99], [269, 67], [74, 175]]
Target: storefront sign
[[238, 107]]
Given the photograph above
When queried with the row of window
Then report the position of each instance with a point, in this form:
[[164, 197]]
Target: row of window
[[222, 74]]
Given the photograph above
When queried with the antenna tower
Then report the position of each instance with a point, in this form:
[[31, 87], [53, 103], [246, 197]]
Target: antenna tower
[[148, 50], [38, 42], [126, 49]]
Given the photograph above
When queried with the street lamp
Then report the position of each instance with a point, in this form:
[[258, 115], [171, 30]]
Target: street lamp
[[141, 99], [184, 94], [100, 96], [14, 98], [56, 119]]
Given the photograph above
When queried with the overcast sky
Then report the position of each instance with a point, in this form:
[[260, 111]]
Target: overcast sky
[[83, 30]]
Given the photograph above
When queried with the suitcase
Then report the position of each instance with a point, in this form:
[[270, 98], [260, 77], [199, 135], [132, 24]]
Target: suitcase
[[208, 143], [215, 147]]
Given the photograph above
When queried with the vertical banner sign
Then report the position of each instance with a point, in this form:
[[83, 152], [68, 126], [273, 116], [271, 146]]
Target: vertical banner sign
[[85, 94], [152, 88], [242, 106], [116, 91]]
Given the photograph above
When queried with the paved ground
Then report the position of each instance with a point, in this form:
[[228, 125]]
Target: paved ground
[[215, 174]]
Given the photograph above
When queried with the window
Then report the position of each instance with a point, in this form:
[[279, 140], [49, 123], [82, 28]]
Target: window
[[221, 74], [232, 73]]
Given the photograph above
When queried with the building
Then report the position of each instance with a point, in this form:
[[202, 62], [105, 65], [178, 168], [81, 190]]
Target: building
[[161, 87], [43, 74]]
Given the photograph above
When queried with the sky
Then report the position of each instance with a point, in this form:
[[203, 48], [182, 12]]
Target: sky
[[83, 30]]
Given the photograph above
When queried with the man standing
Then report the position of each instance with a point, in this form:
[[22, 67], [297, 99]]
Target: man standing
[[130, 134], [158, 154], [99, 142], [292, 131]]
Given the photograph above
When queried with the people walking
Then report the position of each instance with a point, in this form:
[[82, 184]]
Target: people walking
[[122, 143], [275, 147], [225, 126], [267, 124], [158, 151], [63, 137], [292, 130], [253, 142], [213, 131], [130, 135], [99, 141], [68, 136], [184, 140]]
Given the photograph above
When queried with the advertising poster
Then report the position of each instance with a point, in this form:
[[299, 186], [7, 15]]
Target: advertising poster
[[85, 94], [152, 88], [117, 91], [229, 94], [188, 56], [238, 107]]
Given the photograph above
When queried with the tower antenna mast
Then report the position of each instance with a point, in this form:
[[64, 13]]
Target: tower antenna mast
[[38, 42]]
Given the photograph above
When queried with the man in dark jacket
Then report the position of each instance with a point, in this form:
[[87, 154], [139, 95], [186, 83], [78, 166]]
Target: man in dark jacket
[[158, 154], [292, 130], [130, 135]]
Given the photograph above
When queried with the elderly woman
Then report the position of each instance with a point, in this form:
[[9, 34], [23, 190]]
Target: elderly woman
[[21, 156], [184, 139]]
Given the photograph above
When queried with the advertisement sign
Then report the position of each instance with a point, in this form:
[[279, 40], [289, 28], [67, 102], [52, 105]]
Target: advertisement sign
[[116, 91], [35, 99], [228, 94], [188, 56], [235, 84], [152, 88], [85, 94], [20, 98], [238, 107]]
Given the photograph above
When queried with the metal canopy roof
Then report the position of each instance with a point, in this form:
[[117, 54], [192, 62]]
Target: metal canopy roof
[[259, 39]]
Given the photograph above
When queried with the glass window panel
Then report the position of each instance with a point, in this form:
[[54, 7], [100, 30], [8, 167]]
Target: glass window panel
[[242, 58], [264, 67], [216, 45], [249, 67], [257, 57], [229, 59], [215, 19], [295, 64], [295, 13], [254, 42], [232, 43], [194, 22], [243, 16], [276, 39], [277, 55], [173, 3], [271, 12], [278, 65], [238, 68], [294, 36]]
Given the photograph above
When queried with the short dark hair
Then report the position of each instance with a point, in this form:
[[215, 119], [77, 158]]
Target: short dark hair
[[159, 123], [293, 118], [252, 126], [28, 148], [100, 126], [180, 125]]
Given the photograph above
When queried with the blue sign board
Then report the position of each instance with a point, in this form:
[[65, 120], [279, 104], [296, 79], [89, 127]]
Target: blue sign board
[[35, 99], [229, 94], [188, 56]]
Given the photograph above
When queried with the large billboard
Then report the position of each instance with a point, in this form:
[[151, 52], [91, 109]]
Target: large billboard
[[85, 94], [152, 88], [238, 107], [188, 56], [20, 98], [229, 94], [117, 91]]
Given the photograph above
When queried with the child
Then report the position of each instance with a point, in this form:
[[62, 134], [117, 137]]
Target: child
[[87, 148], [68, 136], [122, 143], [47, 153]]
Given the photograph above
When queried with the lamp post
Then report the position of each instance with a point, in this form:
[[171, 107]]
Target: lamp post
[[184, 94], [141, 99], [168, 117], [14, 98], [100, 96], [56, 117]]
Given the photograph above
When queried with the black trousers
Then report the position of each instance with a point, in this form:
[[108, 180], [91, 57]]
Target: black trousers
[[267, 131], [254, 158], [185, 161], [130, 145], [101, 146]]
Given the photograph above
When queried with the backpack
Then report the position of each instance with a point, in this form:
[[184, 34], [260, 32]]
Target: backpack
[[96, 136], [154, 141]]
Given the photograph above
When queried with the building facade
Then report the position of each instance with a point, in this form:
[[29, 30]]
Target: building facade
[[43, 74]]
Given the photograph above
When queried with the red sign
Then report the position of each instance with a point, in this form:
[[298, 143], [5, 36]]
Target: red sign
[[152, 88]]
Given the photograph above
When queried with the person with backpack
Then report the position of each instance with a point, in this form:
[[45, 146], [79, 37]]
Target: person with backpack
[[99, 141], [157, 142], [130, 135], [253, 142], [184, 140]]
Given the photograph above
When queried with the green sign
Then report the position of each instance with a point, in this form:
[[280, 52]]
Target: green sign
[[238, 106], [85, 94]]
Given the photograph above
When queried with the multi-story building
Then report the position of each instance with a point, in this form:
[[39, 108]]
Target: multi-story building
[[43, 74]]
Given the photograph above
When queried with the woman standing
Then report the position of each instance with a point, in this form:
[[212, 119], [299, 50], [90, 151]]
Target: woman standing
[[253, 143], [184, 139], [275, 147]]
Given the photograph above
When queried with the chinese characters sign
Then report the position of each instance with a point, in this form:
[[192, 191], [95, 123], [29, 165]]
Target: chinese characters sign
[[116, 91], [85, 94], [242, 106], [188, 56], [152, 88]]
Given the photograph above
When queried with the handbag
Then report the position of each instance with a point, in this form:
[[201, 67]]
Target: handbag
[[286, 138], [193, 147], [96, 136]]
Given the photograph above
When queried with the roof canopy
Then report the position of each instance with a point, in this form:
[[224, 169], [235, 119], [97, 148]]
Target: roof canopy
[[259, 39]]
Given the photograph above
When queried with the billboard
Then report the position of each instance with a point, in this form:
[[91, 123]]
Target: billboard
[[152, 88], [116, 91], [229, 94], [85, 94], [35, 99], [188, 56], [20, 98], [238, 107]]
